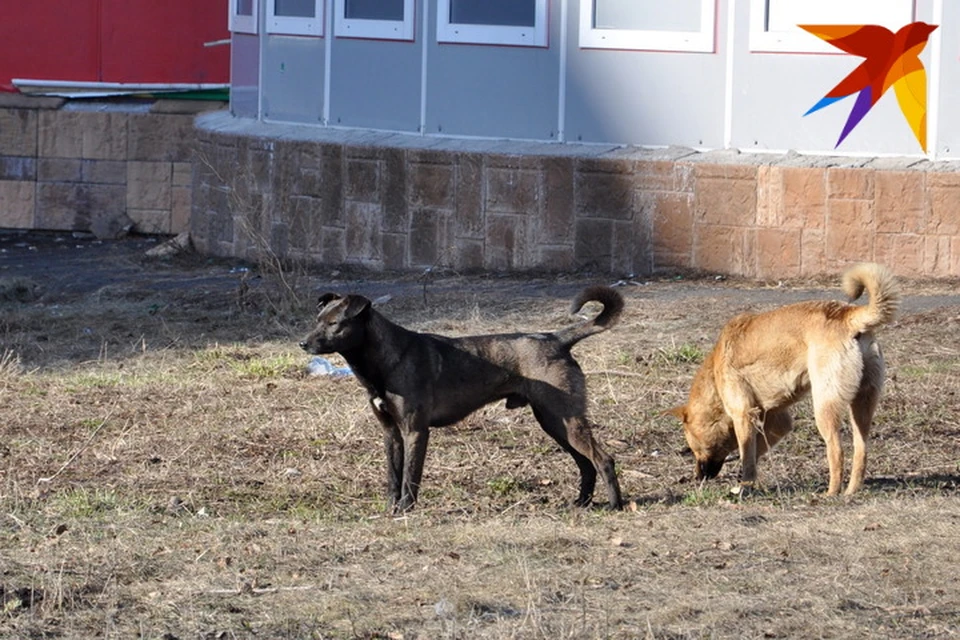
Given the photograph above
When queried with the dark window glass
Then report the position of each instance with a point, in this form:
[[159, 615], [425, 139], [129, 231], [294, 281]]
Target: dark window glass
[[507, 13], [652, 15], [295, 8], [374, 10]]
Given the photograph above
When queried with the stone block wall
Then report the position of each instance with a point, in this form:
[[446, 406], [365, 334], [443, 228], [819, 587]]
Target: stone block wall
[[96, 166], [388, 201]]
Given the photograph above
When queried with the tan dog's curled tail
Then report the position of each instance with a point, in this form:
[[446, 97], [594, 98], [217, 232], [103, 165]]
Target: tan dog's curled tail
[[883, 293], [612, 303]]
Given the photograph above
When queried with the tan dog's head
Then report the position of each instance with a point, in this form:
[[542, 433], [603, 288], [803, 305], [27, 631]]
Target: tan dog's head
[[341, 324], [706, 426], [710, 436]]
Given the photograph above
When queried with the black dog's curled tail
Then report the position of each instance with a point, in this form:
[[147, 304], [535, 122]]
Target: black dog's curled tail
[[612, 303]]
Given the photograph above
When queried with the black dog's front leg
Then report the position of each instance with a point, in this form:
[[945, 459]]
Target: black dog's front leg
[[393, 445], [415, 438]]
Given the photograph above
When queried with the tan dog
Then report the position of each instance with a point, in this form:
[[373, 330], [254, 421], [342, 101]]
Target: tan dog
[[763, 363]]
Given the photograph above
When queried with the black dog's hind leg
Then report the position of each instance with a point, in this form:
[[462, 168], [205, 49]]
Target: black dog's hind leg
[[573, 435]]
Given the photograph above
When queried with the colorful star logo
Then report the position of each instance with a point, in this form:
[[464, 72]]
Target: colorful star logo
[[891, 60]]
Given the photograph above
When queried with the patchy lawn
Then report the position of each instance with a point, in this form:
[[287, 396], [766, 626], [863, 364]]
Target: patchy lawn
[[168, 470]]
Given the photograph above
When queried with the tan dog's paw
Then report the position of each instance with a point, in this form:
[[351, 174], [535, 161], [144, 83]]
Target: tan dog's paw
[[745, 489]]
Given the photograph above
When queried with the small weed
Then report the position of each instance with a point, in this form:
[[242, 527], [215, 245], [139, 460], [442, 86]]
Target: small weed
[[704, 496], [95, 380], [86, 503], [503, 485], [931, 367], [90, 423], [9, 364], [262, 369], [684, 354]]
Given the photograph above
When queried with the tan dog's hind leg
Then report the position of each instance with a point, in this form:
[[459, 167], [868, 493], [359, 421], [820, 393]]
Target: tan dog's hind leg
[[861, 415], [862, 408], [827, 415]]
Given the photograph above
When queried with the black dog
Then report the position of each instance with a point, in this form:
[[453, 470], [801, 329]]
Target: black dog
[[419, 380]]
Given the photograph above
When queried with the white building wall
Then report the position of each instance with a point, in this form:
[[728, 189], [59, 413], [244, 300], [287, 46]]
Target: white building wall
[[706, 74]]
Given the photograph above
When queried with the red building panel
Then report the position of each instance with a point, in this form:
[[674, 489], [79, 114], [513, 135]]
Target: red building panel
[[49, 40], [131, 41], [151, 41]]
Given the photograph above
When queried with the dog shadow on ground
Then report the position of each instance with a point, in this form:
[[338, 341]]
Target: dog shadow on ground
[[692, 492]]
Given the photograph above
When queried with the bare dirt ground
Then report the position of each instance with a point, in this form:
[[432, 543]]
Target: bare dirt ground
[[168, 469]]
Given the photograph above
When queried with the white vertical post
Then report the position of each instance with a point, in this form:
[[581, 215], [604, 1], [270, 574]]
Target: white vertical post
[[261, 22], [424, 42], [731, 43], [934, 79], [562, 93], [328, 10]]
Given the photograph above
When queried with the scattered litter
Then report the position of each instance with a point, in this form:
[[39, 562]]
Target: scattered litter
[[239, 270], [445, 609], [172, 247], [384, 299], [176, 505], [629, 282], [322, 367]]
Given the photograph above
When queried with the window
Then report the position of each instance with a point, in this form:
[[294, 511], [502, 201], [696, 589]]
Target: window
[[243, 16], [295, 17], [678, 25], [773, 23], [377, 19], [507, 22]]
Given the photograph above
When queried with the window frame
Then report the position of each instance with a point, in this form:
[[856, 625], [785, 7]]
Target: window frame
[[703, 41], [798, 41], [405, 30], [491, 34], [294, 25], [241, 22]]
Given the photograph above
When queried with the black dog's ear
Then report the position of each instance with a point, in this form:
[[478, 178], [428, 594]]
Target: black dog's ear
[[325, 299], [356, 305]]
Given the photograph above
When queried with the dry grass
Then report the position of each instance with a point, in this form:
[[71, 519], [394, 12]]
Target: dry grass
[[168, 471]]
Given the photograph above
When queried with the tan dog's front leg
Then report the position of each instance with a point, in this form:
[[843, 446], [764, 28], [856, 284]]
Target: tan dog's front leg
[[746, 423]]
